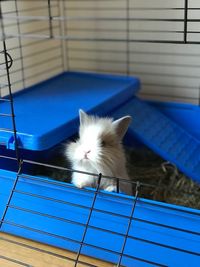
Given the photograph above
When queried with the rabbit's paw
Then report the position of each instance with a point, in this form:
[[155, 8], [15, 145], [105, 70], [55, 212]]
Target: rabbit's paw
[[111, 188], [81, 184]]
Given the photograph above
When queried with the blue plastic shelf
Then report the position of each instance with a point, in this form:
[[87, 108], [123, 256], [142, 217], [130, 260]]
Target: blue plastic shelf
[[47, 113], [56, 214]]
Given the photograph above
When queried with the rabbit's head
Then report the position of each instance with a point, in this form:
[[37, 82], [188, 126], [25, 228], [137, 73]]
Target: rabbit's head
[[99, 143]]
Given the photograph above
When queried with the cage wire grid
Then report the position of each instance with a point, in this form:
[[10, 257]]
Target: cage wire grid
[[56, 28], [103, 36]]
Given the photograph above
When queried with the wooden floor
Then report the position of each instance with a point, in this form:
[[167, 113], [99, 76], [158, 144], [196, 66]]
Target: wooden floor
[[15, 251]]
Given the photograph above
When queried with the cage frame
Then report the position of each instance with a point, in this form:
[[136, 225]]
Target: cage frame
[[20, 161]]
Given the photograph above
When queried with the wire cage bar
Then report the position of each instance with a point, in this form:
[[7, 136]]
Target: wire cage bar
[[130, 13], [90, 35], [108, 38]]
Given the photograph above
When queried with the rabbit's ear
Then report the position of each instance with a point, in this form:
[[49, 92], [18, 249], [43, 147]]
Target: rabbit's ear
[[121, 126], [83, 116]]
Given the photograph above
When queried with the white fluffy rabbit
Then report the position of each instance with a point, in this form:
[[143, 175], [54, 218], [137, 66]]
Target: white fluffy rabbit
[[99, 150]]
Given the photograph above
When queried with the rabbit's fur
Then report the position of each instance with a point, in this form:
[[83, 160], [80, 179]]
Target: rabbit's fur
[[99, 150]]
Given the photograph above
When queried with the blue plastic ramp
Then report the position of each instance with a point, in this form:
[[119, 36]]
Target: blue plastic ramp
[[163, 136]]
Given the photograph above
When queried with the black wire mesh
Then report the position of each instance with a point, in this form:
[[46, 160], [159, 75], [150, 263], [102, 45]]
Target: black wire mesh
[[125, 7], [87, 225], [129, 37], [54, 27]]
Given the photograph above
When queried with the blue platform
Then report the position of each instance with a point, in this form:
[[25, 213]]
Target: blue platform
[[47, 113]]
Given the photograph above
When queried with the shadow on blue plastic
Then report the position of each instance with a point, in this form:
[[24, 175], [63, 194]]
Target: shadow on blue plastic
[[47, 113], [163, 136], [56, 214]]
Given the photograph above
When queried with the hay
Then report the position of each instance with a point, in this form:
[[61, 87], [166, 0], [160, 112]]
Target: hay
[[159, 180]]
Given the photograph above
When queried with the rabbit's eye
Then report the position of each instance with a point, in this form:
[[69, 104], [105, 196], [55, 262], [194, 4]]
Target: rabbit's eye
[[103, 143]]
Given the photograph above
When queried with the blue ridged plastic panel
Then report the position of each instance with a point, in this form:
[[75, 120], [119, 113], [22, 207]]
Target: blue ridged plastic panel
[[186, 115], [47, 113], [163, 136], [56, 214]]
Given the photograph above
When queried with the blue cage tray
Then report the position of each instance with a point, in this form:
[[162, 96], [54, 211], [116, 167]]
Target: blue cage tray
[[47, 113], [56, 214]]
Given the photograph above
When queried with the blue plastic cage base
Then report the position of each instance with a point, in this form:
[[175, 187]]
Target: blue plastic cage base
[[47, 113], [56, 213], [50, 212], [163, 136]]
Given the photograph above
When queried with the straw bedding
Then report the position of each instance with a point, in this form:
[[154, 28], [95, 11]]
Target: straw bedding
[[167, 184]]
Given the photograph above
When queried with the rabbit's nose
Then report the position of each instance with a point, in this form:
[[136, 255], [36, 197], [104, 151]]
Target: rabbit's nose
[[86, 153]]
